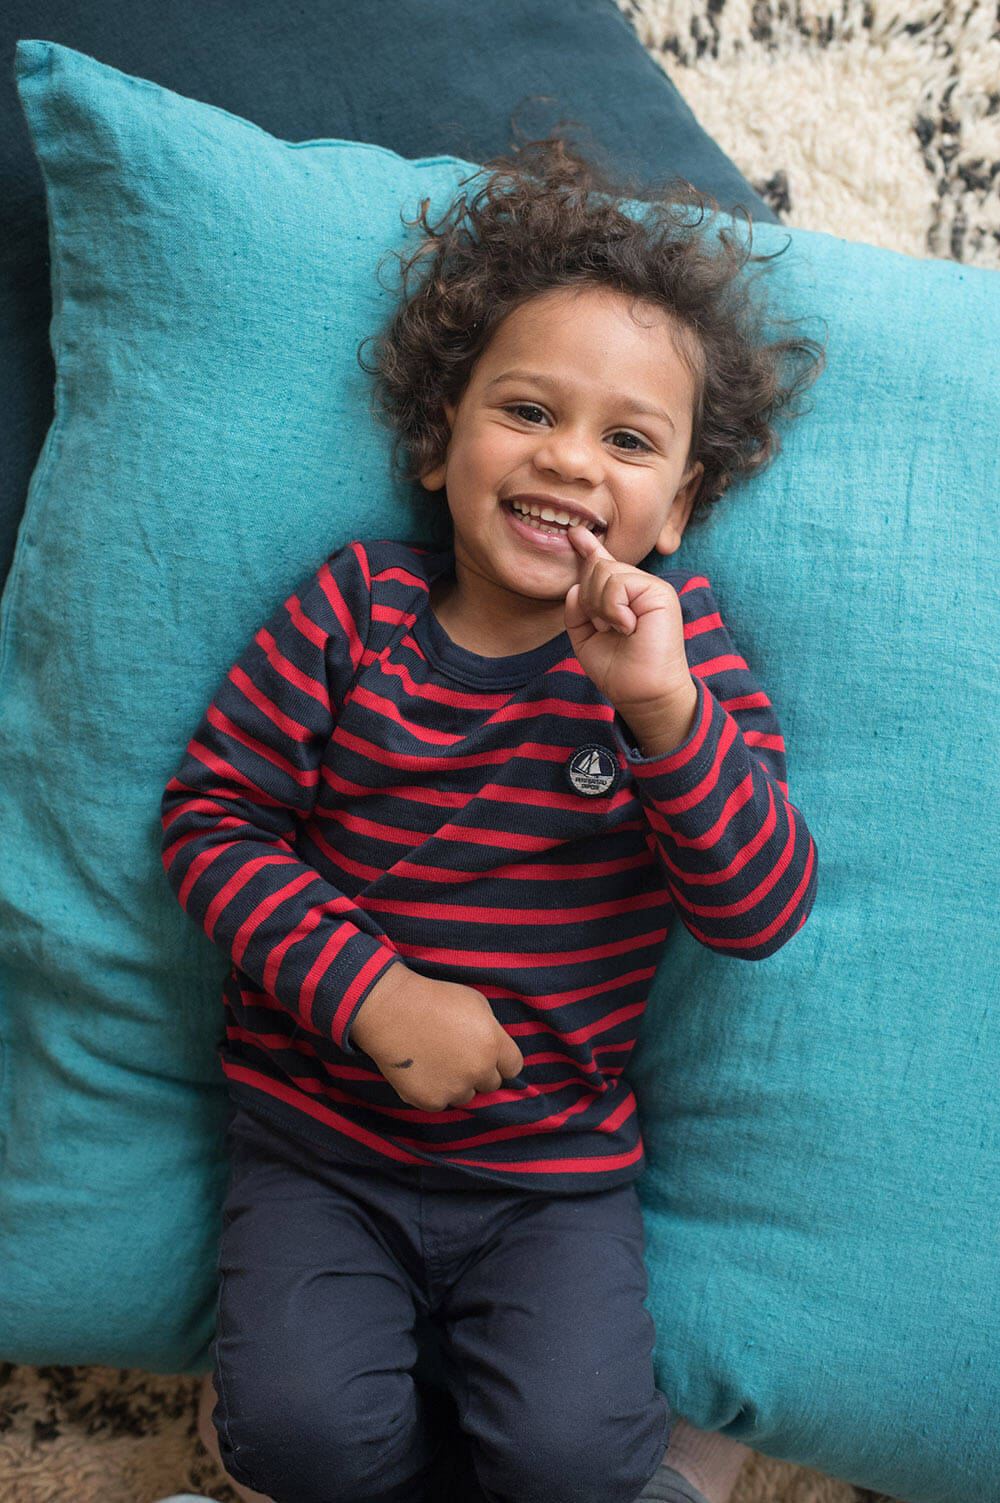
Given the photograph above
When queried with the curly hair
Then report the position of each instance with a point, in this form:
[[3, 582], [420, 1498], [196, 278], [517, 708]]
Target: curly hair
[[544, 218]]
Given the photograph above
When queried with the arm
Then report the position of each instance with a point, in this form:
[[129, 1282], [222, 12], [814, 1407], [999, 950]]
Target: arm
[[248, 777], [740, 861], [707, 756], [248, 780]]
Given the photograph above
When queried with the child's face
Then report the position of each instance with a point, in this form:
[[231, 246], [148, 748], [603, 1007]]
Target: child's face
[[579, 403]]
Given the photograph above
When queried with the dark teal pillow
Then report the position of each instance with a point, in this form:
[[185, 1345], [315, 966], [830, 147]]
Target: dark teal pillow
[[822, 1126], [384, 73]]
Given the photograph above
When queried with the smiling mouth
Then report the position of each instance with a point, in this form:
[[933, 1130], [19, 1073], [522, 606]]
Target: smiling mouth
[[551, 520]]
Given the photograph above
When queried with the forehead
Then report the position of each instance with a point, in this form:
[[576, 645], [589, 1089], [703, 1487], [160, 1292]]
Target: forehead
[[589, 337]]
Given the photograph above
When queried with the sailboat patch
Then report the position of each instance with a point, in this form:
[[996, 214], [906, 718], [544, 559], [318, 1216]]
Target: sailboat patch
[[593, 770]]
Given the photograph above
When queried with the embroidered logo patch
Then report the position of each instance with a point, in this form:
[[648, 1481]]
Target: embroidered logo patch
[[592, 770]]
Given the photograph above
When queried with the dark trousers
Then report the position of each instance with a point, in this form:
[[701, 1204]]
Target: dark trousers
[[334, 1277]]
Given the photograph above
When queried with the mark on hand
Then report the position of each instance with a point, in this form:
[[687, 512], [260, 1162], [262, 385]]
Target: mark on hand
[[403, 1064]]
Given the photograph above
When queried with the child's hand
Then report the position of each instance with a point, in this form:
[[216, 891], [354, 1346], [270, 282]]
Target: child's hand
[[627, 631], [437, 1043]]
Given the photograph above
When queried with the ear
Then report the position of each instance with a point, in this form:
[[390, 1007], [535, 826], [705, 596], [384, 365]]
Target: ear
[[433, 480], [669, 539]]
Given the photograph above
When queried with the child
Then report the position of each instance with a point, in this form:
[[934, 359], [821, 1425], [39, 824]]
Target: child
[[441, 814]]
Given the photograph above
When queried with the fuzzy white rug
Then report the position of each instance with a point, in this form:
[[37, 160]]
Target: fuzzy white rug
[[868, 120], [874, 120]]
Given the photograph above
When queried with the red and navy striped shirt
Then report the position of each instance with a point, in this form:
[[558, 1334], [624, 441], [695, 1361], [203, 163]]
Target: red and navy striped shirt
[[362, 790]]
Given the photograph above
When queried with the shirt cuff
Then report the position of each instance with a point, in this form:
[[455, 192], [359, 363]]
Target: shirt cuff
[[688, 750], [344, 1016]]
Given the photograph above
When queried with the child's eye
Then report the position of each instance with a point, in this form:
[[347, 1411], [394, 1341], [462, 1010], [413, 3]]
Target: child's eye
[[634, 440], [520, 408]]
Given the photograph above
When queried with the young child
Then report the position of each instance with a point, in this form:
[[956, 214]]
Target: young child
[[441, 815]]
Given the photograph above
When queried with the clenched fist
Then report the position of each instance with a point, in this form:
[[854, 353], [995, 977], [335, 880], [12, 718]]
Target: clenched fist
[[437, 1043]]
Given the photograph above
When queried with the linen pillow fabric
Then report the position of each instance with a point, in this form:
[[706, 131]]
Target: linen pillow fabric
[[821, 1127], [421, 77]]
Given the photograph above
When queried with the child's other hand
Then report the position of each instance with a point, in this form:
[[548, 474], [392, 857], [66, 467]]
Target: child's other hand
[[437, 1043], [627, 631]]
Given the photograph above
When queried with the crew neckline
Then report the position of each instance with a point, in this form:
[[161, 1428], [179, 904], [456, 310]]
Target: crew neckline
[[471, 668]]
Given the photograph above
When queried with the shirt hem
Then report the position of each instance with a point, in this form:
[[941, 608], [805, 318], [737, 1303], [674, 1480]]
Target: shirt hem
[[431, 1168]]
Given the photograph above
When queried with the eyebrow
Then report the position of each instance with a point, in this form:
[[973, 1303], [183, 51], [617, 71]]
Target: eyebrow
[[616, 397]]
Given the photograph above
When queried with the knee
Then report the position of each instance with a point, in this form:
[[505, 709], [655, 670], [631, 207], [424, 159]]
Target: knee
[[564, 1458], [329, 1447]]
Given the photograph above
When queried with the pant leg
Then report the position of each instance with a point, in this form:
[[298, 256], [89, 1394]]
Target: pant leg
[[549, 1352], [314, 1346]]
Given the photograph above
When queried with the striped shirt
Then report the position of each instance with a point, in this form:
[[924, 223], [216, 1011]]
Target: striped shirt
[[363, 790]]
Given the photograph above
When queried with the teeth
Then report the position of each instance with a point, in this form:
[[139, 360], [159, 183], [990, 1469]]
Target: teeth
[[548, 514]]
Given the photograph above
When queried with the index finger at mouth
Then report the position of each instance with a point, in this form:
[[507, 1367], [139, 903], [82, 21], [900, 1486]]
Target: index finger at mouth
[[585, 543]]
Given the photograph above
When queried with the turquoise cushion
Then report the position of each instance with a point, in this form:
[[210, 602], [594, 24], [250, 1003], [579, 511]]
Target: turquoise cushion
[[821, 1126]]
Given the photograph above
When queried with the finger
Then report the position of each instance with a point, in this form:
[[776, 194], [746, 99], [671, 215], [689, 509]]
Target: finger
[[598, 568], [510, 1060], [586, 544], [574, 615], [577, 619], [593, 582], [615, 605], [583, 540], [603, 596]]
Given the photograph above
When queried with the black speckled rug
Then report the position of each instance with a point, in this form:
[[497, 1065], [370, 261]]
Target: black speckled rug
[[867, 120]]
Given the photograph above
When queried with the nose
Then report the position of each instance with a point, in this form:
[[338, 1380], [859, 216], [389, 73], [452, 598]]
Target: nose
[[569, 453]]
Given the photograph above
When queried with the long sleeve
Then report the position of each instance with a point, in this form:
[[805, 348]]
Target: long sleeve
[[740, 862], [245, 789]]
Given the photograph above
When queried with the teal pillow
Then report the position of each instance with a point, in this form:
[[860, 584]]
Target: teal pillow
[[821, 1195]]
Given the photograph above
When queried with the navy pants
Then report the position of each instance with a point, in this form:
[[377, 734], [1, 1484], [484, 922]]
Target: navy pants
[[333, 1274]]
